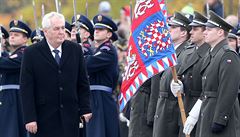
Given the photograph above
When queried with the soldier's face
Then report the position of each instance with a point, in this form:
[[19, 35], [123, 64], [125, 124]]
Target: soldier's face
[[56, 33], [232, 43], [197, 35], [102, 34], [175, 33], [212, 35], [17, 39], [84, 34]]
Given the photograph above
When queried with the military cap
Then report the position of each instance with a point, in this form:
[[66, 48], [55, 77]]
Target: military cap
[[19, 26], [68, 27], [238, 33], [233, 33], [216, 21], [114, 37], [73, 19], [198, 20], [4, 33], [101, 21], [179, 20], [34, 35], [84, 23]]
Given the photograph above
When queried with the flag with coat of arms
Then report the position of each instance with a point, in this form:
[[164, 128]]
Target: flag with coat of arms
[[150, 48]]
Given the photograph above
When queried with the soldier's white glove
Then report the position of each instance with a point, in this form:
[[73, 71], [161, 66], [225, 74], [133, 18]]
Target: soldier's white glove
[[124, 119], [192, 118], [175, 87]]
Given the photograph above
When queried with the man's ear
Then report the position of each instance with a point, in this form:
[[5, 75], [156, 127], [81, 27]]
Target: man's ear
[[109, 34], [183, 33], [86, 34], [220, 32]]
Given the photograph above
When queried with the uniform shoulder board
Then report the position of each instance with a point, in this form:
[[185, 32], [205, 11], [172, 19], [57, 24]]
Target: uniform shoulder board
[[105, 48]]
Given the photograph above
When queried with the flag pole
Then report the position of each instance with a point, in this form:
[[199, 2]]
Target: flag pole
[[239, 11], [180, 101]]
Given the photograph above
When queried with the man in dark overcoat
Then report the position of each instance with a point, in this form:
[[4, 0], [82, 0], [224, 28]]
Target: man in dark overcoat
[[166, 119], [217, 113], [54, 83]]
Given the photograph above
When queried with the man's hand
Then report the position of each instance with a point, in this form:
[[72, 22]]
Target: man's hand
[[176, 87], [31, 127], [87, 117], [192, 118]]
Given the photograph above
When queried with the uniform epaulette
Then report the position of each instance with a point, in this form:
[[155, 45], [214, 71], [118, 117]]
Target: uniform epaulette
[[105, 48]]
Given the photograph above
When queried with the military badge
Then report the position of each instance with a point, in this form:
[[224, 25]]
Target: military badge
[[15, 22], [99, 17]]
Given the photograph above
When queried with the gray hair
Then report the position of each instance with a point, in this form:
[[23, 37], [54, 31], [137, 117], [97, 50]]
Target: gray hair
[[46, 19]]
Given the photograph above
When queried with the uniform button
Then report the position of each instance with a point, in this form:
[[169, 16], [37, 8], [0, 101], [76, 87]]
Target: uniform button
[[205, 97], [183, 76], [225, 117], [201, 114], [61, 106], [61, 88], [131, 108], [156, 116], [0, 103], [190, 76], [59, 71]]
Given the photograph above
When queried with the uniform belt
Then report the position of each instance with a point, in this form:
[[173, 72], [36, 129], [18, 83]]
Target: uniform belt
[[101, 87], [5, 87], [209, 94]]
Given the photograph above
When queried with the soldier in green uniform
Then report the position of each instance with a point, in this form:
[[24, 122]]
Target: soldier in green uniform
[[189, 72], [166, 121], [217, 112]]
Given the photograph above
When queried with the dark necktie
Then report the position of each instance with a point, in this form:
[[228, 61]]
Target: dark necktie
[[57, 57]]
